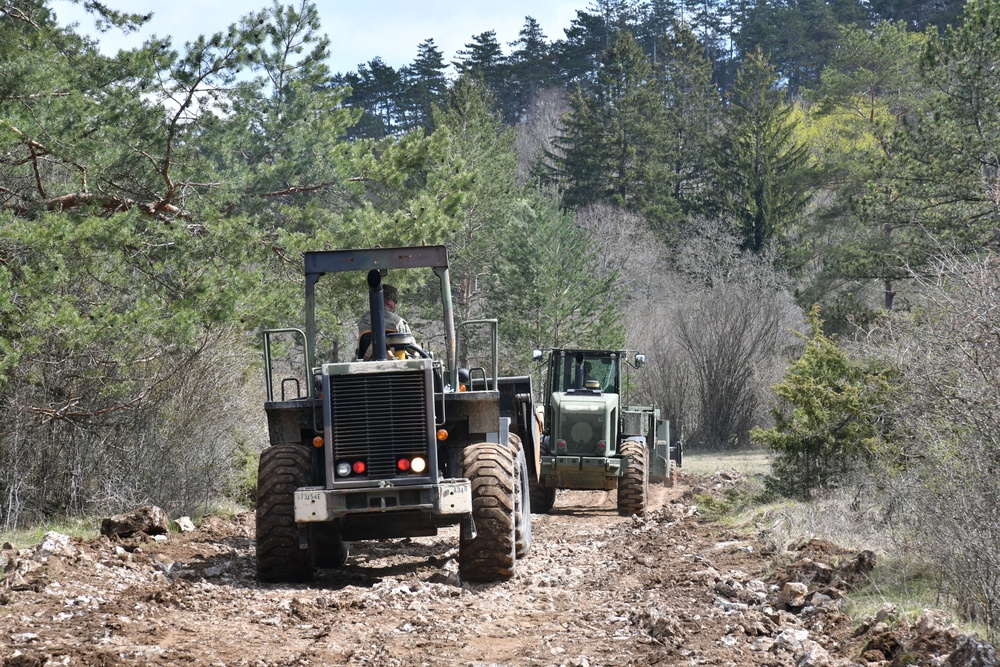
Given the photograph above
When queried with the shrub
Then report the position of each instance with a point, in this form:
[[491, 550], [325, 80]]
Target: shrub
[[832, 413]]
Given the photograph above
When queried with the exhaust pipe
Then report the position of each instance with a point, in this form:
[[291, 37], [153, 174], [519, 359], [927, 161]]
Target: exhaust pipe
[[376, 304]]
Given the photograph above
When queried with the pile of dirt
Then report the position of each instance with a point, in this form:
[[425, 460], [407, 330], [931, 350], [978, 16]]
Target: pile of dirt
[[596, 589]]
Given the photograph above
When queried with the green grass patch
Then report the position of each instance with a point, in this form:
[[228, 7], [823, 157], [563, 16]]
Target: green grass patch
[[86, 528], [734, 505], [912, 587]]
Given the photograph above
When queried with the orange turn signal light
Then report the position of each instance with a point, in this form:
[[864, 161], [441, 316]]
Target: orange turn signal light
[[442, 434], [318, 441]]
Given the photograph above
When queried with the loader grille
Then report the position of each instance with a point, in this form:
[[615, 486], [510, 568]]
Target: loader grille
[[582, 433], [378, 418]]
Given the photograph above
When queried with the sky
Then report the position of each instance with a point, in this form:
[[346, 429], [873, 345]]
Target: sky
[[359, 30]]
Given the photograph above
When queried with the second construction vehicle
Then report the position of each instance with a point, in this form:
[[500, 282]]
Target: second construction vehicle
[[592, 439], [394, 444]]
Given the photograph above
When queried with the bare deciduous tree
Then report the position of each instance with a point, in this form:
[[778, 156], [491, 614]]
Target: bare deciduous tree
[[714, 322], [178, 447], [536, 131], [943, 483]]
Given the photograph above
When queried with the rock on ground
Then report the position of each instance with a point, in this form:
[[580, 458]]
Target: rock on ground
[[596, 589]]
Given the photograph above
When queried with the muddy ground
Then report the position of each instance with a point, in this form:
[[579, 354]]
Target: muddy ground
[[596, 589]]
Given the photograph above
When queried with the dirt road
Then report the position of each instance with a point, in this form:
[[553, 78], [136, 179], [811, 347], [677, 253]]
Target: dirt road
[[596, 589]]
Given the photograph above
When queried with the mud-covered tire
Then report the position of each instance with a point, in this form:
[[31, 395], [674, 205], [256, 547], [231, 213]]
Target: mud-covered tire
[[281, 470], [633, 487], [671, 478], [522, 500], [542, 497], [490, 555], [331, 549]]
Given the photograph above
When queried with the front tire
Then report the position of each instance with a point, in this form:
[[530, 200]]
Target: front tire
[[491, 554], [633, 487], [281, 470], [543, 498]]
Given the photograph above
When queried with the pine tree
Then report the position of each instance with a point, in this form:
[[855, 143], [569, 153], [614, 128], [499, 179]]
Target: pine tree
[[614, 145], [484, 59], [870, 86], [760, 166], [532, 69], [657, 18], [920, 14], [693, 105], [937, 189], [577, 55], [798, 37], [377, 92], [426, 85], [484, 148], [547, 280]]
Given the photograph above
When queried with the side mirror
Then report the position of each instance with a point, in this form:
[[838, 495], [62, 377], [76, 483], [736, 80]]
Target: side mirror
[[536, 355], [640, 359]]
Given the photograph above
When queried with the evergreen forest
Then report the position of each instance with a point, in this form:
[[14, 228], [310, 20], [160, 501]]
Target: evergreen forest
[[790, 206]]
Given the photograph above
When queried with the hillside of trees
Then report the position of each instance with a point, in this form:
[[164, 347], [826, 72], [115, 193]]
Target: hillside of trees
[[789, 206]]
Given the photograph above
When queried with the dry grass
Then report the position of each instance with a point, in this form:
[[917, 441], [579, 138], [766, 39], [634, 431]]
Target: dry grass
[[746, 462], [853, 520]]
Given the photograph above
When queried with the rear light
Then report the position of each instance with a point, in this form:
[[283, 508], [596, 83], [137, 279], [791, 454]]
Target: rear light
[[417, 464], [561, 445], [348, 468], [601, 446]]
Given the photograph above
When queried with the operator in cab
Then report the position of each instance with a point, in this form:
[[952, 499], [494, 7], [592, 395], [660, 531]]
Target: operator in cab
[[393, 322]]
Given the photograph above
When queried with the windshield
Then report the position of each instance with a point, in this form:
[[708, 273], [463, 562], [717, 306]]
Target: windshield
[[600, 366]]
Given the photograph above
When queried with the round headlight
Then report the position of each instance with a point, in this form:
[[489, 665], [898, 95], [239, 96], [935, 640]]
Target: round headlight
[[418, 464], [343, 469]]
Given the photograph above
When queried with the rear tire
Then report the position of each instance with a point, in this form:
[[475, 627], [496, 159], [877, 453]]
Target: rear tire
[[633, 487], [282, 469], [491, 554], [522, 501], [331, 549]]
